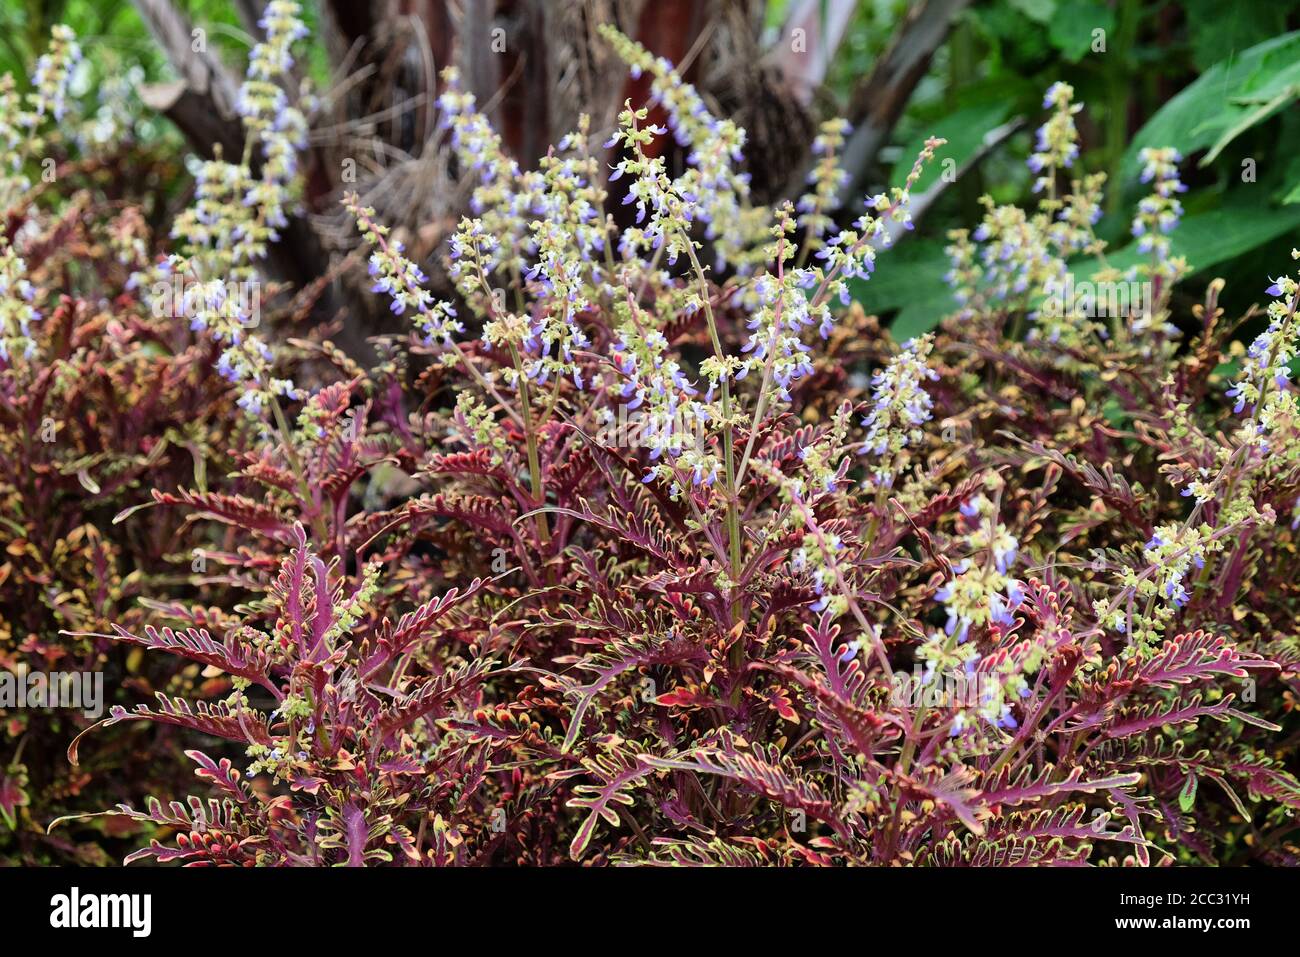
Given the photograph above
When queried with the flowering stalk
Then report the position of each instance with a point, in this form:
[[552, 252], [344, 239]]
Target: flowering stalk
[[1266, 369], [1157, 216], [1057, 142], [728, 436], [828, 178]]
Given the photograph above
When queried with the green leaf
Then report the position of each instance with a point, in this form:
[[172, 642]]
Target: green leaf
[[908, 278], [1187, 796], [919, 318], [1039, 11], [1071, 30], [1289, 192], [1210, 238], [1224, 102], [1216, 29], [1252, 118]]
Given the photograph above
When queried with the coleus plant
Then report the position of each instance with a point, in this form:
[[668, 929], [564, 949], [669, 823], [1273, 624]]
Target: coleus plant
[[101, 397], [356, 727], [660, 581]]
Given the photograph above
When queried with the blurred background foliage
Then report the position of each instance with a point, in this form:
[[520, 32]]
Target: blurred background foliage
[[1219, 81]]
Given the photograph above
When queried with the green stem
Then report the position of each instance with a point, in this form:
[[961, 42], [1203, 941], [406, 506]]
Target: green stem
[[728, 440], [736, 658]]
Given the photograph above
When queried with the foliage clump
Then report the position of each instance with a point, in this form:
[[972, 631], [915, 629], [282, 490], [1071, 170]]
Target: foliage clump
[[639, 569]]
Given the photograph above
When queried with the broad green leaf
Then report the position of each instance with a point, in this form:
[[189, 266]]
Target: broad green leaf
[[1211, 111], [1210, 238], [1071, 29], [908, 278], [920, 317], [1187, 796], [1039, 11], [1253, 117], [1289, 192], [1218, 30]]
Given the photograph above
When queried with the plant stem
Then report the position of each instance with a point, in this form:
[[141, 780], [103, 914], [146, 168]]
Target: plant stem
[[295, 463], [728, 440], [770, 362], [534, 465], [736, 657]]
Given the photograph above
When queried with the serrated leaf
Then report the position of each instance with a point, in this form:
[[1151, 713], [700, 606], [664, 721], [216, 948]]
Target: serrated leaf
[[1187, 796]]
